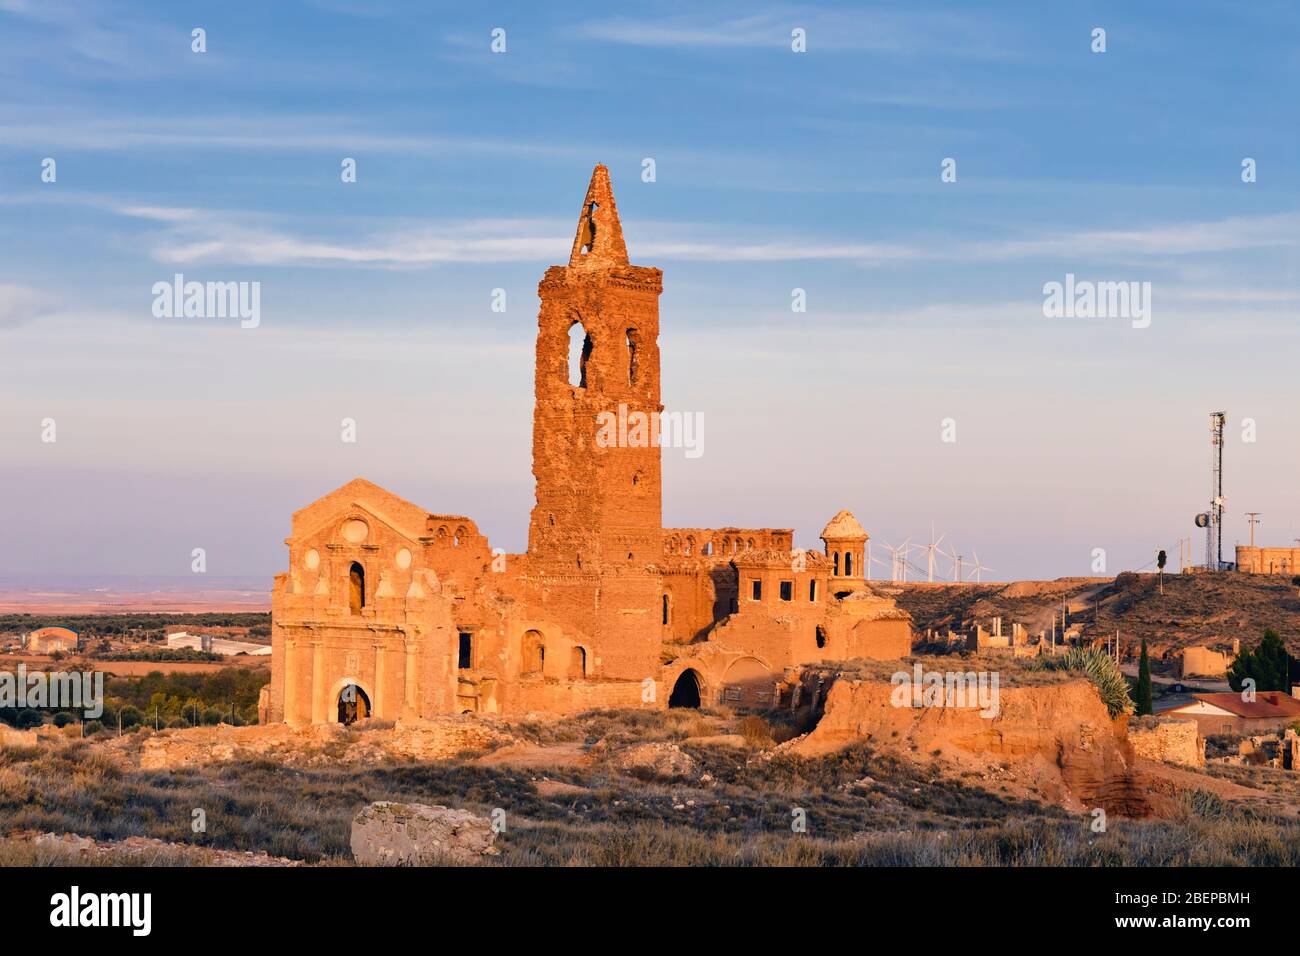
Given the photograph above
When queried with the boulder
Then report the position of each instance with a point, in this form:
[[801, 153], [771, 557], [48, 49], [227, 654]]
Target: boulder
[[413, 834], [656, 760]]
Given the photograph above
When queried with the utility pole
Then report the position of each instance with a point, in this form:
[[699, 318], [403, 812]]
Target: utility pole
[[1253, 517]]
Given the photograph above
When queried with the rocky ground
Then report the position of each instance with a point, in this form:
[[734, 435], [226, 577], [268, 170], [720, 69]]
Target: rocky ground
[[69, 849], [865, 785]]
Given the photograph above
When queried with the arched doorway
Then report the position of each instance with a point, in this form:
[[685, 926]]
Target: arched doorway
[[577, 663], [354, 704], [533, 647], [686, 692]]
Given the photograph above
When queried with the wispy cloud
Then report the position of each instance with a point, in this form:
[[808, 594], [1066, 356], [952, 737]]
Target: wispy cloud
[[1170, 239], [281, 133], [195, 235], [19, 305], [200, 236], [950, 32], [90, 38]]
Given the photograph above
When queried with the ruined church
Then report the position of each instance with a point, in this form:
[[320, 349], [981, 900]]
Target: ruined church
[[394, 612]]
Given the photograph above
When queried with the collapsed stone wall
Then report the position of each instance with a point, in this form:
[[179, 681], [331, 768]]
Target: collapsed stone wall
[[1171, 741]]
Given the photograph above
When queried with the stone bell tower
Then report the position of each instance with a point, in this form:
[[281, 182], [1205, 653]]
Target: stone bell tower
[[598, 519], [599, 495]]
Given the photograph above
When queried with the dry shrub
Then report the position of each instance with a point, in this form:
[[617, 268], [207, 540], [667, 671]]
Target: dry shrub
[[756, 731]]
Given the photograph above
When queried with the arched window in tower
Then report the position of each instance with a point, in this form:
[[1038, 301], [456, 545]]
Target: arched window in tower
[[667, 607], [589, 229], [356, 587], [579, 351], [633, 342], [837, 564], [848, 564]]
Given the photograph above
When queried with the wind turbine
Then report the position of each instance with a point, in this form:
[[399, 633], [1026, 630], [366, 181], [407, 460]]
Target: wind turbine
[[871, 559], [979, 567], [896, 565], [900, 556], [955, 558], [930, 550]]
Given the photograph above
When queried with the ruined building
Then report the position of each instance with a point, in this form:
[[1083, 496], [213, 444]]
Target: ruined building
[[391, 611]]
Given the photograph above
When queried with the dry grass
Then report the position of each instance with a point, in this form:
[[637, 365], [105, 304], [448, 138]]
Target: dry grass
[[14, 853], [862, 807], [756, 731]]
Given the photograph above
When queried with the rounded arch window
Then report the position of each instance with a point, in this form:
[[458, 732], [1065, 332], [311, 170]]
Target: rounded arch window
[[356, 587], [633, 360], [580, 348]]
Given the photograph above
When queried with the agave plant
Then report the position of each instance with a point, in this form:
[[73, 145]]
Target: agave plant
[[1101, 669]]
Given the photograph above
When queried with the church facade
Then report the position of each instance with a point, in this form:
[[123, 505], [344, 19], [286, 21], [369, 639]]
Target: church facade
[[394, 612]]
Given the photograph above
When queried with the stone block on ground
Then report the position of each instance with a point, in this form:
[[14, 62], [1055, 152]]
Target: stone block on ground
[[413, 834]]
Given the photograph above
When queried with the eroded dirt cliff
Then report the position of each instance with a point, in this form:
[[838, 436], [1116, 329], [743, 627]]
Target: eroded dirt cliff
[[1057, 742]]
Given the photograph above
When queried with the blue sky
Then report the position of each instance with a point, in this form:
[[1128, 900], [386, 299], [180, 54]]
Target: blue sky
[[775, 170]]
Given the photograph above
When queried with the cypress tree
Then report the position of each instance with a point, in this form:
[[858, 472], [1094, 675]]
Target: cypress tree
[[1144, 683]]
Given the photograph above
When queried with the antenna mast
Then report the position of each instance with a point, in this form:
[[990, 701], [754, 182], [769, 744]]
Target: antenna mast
[[1214, 529]]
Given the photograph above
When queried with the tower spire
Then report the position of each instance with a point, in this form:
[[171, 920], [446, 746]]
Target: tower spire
[[599, 240]]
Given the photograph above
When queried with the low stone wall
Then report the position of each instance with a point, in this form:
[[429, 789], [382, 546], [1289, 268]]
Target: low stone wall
[[1171, 741]]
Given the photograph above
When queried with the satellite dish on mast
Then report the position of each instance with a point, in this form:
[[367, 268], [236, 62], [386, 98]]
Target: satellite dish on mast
[[1203, 520]]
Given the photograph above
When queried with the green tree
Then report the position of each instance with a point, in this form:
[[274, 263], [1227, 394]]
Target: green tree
[[1144, 683], [1269, 665]]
